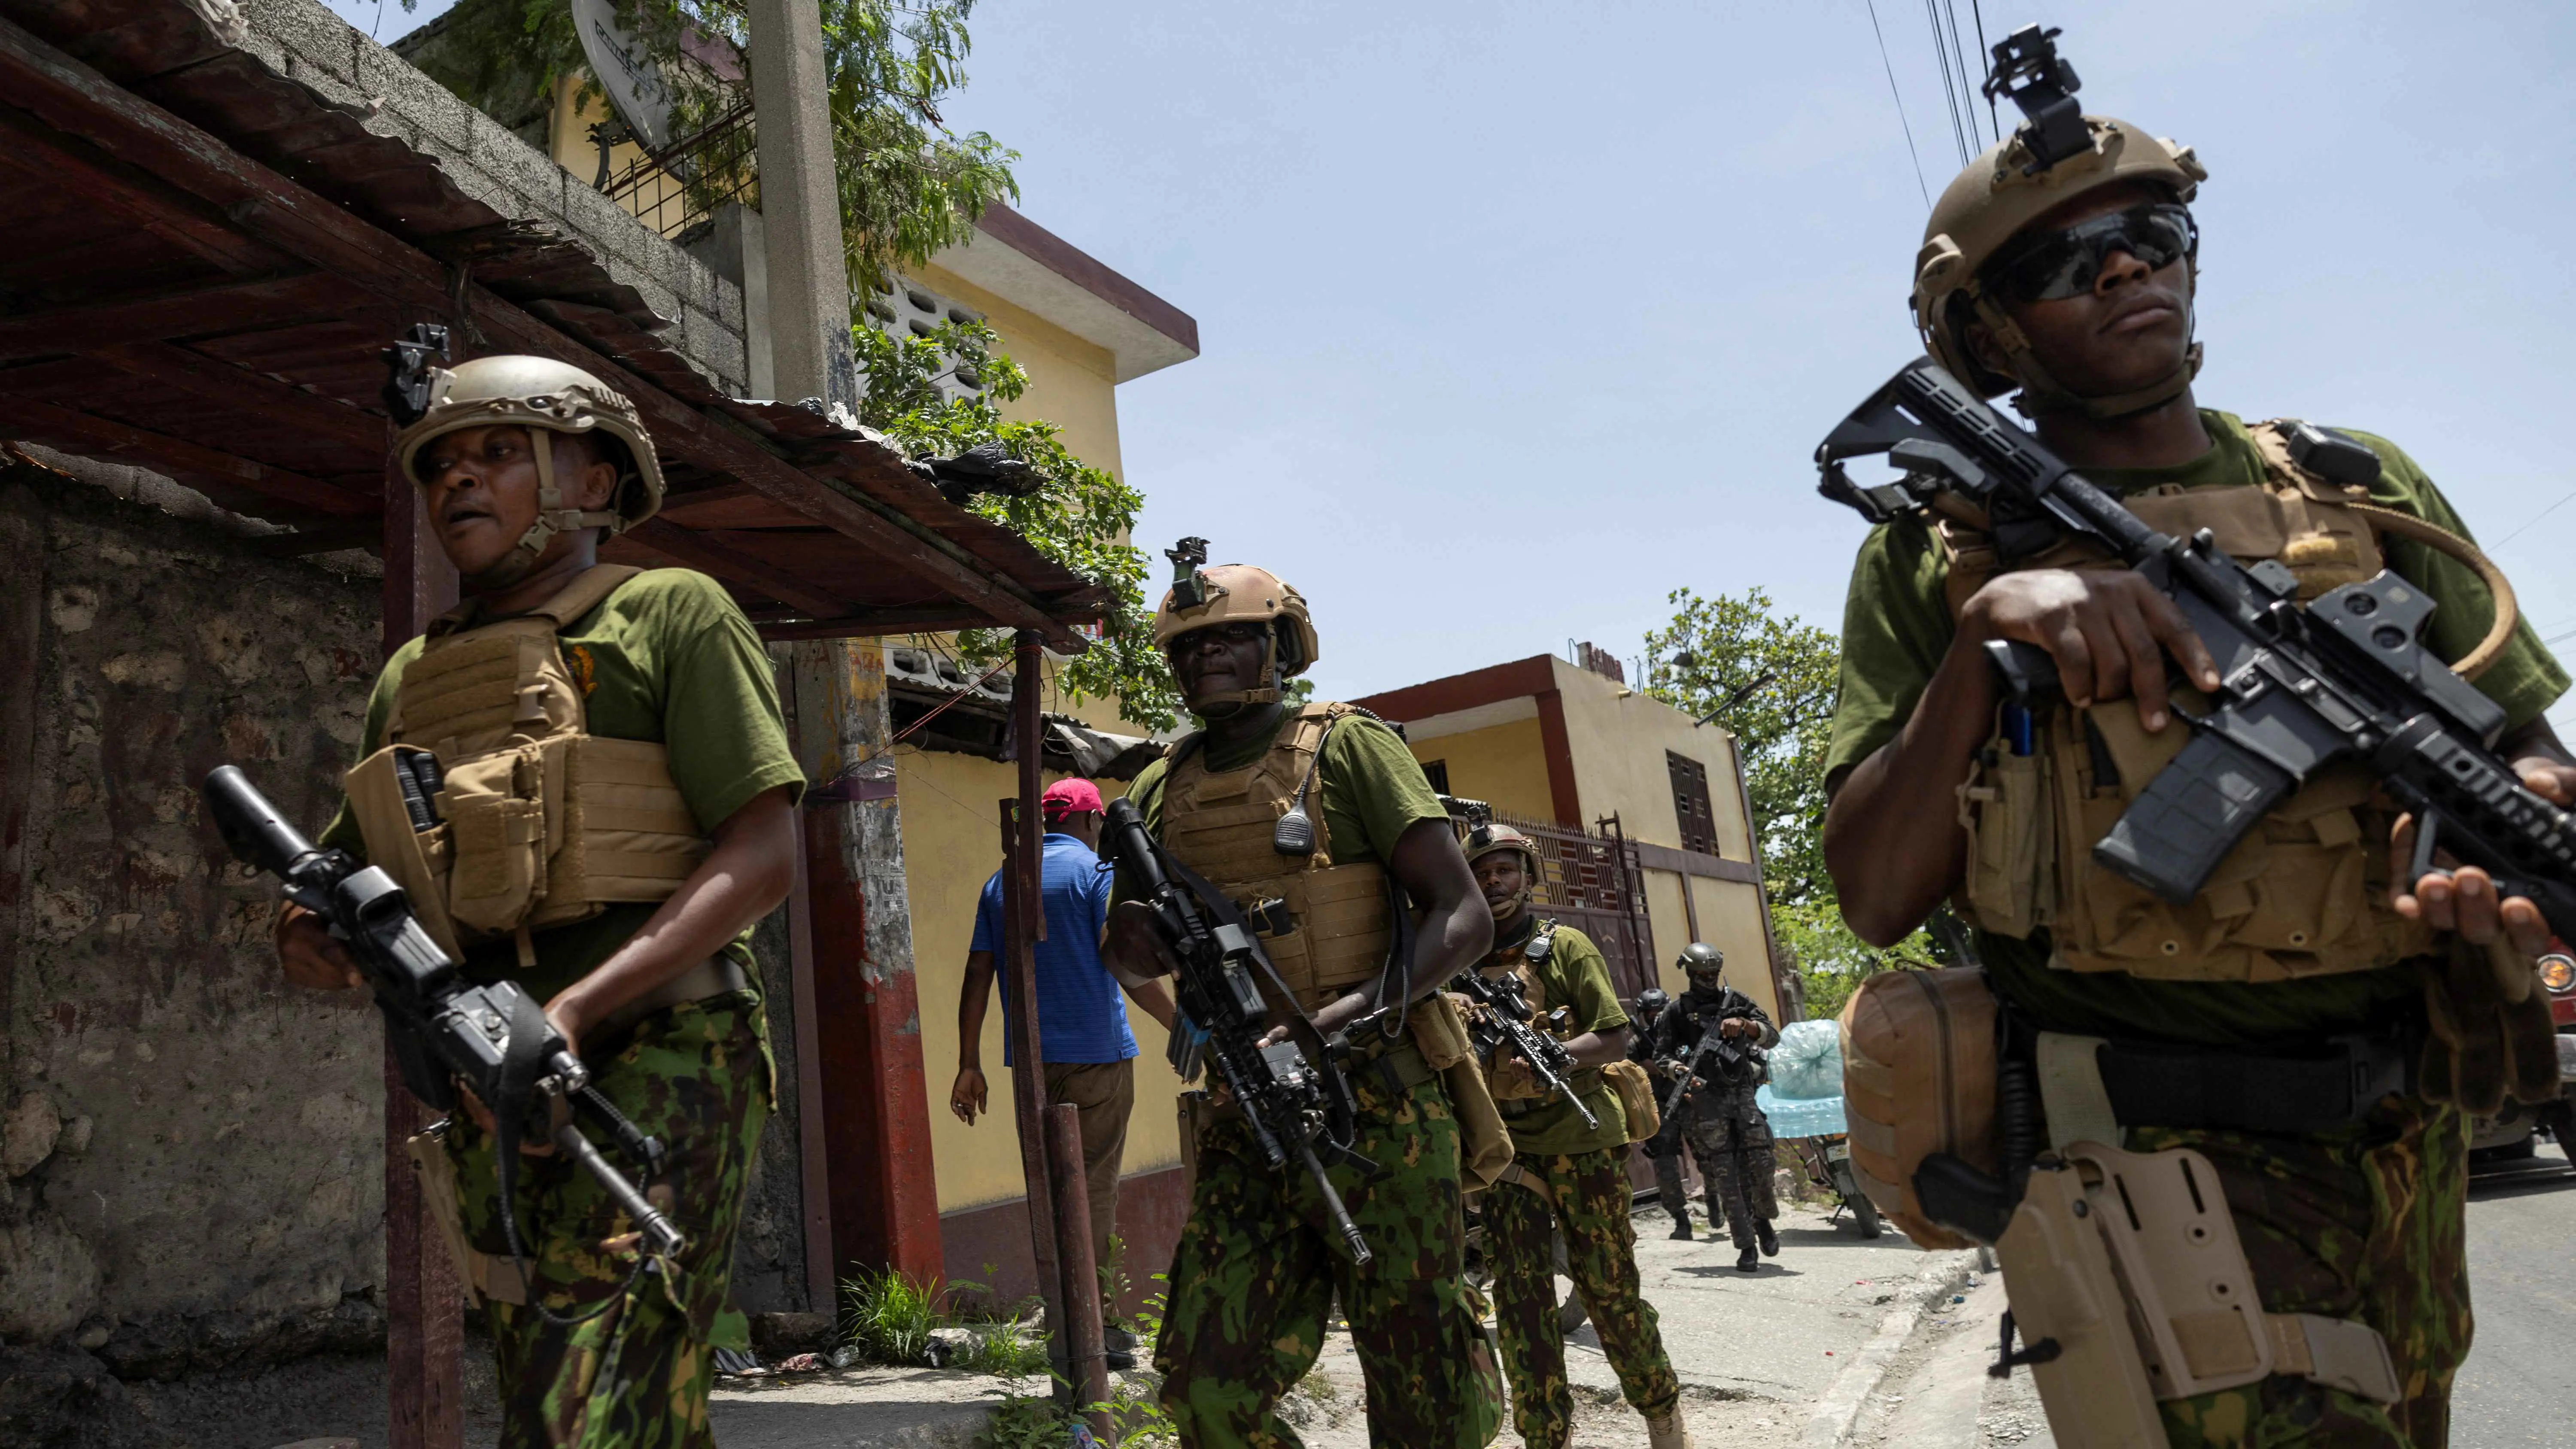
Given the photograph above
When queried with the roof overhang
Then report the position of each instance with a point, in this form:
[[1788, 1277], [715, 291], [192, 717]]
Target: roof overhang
[[1032, 268], [206, 257]]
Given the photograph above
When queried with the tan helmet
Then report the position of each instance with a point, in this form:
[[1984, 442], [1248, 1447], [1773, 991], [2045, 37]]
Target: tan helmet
[[1242, 593], [1998, 195], [1486, 839], [539, 392]]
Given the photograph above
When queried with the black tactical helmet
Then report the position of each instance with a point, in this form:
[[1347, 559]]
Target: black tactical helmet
[[1653, 999], [1699, 956]]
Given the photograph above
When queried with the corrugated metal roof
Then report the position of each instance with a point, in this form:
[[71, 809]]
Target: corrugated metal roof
[[207, 256]]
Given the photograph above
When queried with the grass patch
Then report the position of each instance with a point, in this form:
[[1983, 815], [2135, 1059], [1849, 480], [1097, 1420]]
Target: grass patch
[[888, 1317]]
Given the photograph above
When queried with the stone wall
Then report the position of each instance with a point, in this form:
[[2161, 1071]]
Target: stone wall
[[193, 1150]]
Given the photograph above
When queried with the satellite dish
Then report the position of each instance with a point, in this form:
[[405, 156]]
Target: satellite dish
[[635, 86]]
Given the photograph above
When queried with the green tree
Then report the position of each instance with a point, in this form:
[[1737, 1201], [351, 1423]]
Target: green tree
[[1079, 515], [1770, 680], [909, 187]]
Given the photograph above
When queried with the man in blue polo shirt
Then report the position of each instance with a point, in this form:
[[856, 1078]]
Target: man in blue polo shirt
[[1083, 1037]]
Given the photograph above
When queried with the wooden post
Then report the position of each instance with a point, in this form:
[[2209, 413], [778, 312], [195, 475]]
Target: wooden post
[[813, 1153], [875, 1105], [1087, 1366], [1023, 925], [424, 1312]]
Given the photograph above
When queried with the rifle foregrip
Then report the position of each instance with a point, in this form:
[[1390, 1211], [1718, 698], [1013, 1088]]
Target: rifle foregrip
[[2191, 814]]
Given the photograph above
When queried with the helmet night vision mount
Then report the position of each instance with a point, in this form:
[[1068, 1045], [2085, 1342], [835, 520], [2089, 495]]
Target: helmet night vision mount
[[2030, 73]]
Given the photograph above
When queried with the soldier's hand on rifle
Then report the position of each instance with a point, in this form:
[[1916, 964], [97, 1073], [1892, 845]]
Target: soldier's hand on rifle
[[2108, 629], [1733, 1026], [1511, 1078], [309, 955], [2454, 897]]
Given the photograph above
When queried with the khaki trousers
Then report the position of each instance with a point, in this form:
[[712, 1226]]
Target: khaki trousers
[[1102, 1093]]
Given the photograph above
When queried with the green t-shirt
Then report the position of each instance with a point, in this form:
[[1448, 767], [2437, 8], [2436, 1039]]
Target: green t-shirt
[[1574, 975], [667, 657], [1897, 627], [1372, 789]]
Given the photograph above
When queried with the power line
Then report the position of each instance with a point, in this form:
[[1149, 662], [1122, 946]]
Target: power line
[[1949, 84], [1900, 103], [2526, 528], [1967, 88], [1986, 63]]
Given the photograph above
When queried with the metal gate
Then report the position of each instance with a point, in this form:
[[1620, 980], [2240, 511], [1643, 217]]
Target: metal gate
[[1595, 884]]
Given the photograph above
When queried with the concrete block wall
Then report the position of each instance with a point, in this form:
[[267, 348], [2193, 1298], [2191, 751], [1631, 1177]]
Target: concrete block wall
[[301, 39]]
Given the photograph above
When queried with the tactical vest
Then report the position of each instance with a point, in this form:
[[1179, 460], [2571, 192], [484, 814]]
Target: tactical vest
[[1219, 823], [2303, 894], [538, 822], [1514, 961]]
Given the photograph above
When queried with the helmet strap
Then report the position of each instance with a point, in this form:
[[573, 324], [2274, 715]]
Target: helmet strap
[[553, 517], [1246, 698]]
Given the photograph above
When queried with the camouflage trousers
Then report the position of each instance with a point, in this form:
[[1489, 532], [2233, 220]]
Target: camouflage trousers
[[1736, 1169], [2367, 1222], [1260, 1264], [632, 1366], [1668, 1180], [1586, 1199]]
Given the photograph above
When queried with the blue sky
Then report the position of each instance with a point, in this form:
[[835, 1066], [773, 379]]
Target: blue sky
[[1517, 317]]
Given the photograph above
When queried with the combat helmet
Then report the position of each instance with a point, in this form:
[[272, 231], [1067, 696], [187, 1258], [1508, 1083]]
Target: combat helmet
[[1486, 839], [541, 393], [1202, 597], [2056, 155], [1700, 957]]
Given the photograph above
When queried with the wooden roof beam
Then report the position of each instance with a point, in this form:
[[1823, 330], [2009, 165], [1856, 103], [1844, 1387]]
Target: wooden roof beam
[[36, 152], [231, 476], [701, 552], [69, 95], [188, 312], [249, 392]]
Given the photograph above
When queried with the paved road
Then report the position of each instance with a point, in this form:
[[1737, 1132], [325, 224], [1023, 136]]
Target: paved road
[[2519, 1385]]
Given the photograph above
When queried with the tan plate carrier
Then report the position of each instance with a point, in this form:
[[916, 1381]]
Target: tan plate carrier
[[541, 823], [1340, 925]]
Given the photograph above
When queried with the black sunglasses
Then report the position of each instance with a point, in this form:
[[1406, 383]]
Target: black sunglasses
[[2067, 263]]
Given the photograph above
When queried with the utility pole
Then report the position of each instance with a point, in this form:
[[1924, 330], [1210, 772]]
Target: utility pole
[[800, 206]]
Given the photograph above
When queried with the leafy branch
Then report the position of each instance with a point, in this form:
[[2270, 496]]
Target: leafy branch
[[1078, 515]]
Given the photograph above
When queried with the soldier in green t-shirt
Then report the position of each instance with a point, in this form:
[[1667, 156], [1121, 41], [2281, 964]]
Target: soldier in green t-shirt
[[1567, 1177], [2316, 1021], [1260, 1263], [619, 733]]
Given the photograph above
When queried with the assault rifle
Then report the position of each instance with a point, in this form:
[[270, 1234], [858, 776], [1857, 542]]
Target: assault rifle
[[1508, 1021], [1715, 1051], [442, 1028], [2344, 677], [1293, 1105]]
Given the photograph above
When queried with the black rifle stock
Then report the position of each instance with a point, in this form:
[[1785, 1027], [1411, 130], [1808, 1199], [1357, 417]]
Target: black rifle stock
[[1290, 1104], [442, 1027], [1506, 1021], [2344, 677]]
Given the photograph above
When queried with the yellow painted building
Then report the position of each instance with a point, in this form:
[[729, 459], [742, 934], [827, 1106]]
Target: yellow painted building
[[1549, 741]]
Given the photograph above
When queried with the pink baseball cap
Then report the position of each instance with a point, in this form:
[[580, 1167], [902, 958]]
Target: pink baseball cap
[[1070, 797]]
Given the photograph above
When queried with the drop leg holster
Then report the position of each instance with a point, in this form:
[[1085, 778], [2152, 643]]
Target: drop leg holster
[[2129, 1284]]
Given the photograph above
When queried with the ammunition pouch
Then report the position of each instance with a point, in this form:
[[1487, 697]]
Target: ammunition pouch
[[1440, 1040], [1636, 1099], [1919, 1080], [2129, 1285]]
